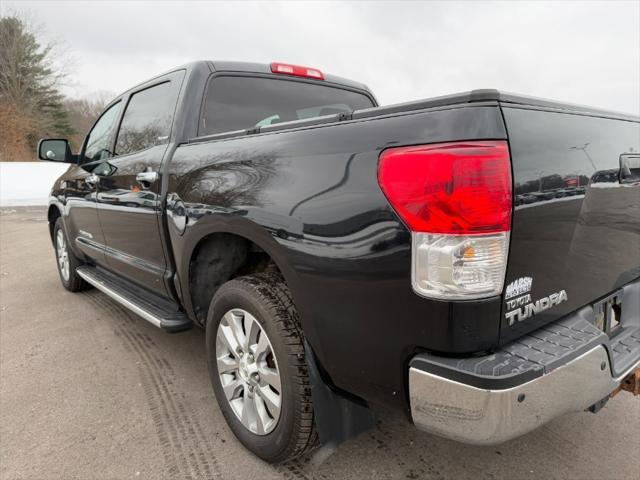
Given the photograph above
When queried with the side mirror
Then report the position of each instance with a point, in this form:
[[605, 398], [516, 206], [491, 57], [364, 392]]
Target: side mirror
[[55, 150]]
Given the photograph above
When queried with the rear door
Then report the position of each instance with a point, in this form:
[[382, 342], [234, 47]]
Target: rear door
[[129, 205], [575, 236]]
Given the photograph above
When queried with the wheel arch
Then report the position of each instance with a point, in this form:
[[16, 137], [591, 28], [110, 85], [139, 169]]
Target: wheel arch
[[253, 238], [53, 213]]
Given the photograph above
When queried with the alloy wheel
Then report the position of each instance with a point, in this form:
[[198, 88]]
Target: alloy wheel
[[248, 371], [63, 255]]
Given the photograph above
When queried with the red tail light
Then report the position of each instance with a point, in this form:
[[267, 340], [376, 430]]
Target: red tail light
[[297, 71], [454, 188]]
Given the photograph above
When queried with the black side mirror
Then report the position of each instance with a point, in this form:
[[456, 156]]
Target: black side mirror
[[55, 150]]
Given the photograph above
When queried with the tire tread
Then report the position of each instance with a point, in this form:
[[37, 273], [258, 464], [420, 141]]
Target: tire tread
[[271, 290]]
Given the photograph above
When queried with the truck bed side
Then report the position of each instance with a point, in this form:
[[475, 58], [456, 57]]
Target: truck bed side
[[310, 198]]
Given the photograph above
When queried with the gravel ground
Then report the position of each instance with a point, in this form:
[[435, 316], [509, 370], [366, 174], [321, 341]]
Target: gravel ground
[[91, 391]]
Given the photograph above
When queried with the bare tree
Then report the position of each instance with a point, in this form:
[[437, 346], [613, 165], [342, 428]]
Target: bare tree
[[83, 113], [29, 91]]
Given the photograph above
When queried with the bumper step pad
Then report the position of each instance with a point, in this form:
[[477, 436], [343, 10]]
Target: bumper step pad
[[521, 361]]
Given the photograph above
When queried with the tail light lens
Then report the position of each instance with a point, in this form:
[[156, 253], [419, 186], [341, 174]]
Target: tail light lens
[[456, 198]]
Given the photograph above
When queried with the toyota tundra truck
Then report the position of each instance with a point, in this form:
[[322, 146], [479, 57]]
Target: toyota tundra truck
[[471, 260]]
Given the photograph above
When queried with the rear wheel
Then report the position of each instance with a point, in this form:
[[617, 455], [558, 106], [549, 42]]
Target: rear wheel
[[248, 371], [257, 367], [66, 260]]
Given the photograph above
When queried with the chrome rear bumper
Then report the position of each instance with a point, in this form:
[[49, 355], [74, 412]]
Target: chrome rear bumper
[[486, 417]]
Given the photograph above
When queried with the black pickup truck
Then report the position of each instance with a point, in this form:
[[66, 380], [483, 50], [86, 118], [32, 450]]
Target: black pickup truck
[[472, 260]]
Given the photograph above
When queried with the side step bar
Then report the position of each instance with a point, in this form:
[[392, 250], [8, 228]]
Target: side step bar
[[155, 311]]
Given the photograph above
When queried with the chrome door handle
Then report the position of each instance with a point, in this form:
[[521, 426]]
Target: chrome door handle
[[92, 180], [147, 178]]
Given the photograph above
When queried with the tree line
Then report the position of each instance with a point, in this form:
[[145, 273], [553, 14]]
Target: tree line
[[31, 103]]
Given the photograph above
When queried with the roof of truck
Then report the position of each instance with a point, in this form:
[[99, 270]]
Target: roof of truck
[[248, 67], [228, 66]]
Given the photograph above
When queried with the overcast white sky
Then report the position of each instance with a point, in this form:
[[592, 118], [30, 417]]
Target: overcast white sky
[[580, 52]]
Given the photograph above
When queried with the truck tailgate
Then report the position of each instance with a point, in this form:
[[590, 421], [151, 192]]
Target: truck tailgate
[[575, 234]]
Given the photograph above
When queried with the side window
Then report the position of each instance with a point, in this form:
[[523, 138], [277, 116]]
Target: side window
[[148, 117], [98, 141]]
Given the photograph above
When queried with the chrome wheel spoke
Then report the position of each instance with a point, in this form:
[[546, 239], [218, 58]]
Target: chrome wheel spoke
[[252, 329], [270, 376], [263, 347], [227, 364], [235, 321], [250, 417], [227, 337], [263, 416], [271, 400], [233, 389]]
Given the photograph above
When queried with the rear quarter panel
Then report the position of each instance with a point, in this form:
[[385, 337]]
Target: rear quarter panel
[[311, 199]]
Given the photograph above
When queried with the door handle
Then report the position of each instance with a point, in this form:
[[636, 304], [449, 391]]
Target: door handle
[[147, 178], [92, 180]]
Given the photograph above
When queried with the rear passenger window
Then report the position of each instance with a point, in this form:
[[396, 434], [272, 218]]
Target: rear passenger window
[[148, 117], [236, 103]]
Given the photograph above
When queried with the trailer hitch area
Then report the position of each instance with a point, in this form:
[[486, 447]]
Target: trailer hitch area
[[631, 383]]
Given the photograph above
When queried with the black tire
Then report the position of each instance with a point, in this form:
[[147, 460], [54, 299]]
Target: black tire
[[74, 283], [267, 298]]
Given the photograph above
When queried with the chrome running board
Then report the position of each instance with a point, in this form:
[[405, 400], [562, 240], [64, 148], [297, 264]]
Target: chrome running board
[[159, 313]]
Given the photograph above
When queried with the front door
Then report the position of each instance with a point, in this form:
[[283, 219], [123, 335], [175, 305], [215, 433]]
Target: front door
[[80, 187], [129, 205]]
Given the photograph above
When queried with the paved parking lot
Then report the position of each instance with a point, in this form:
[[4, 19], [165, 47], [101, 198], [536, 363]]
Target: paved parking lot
[[90, 391]]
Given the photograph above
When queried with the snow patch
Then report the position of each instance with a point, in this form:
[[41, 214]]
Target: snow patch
[[28, 183]]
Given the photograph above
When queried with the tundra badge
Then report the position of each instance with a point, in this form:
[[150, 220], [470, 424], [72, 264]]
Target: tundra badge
[[525, 308]]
